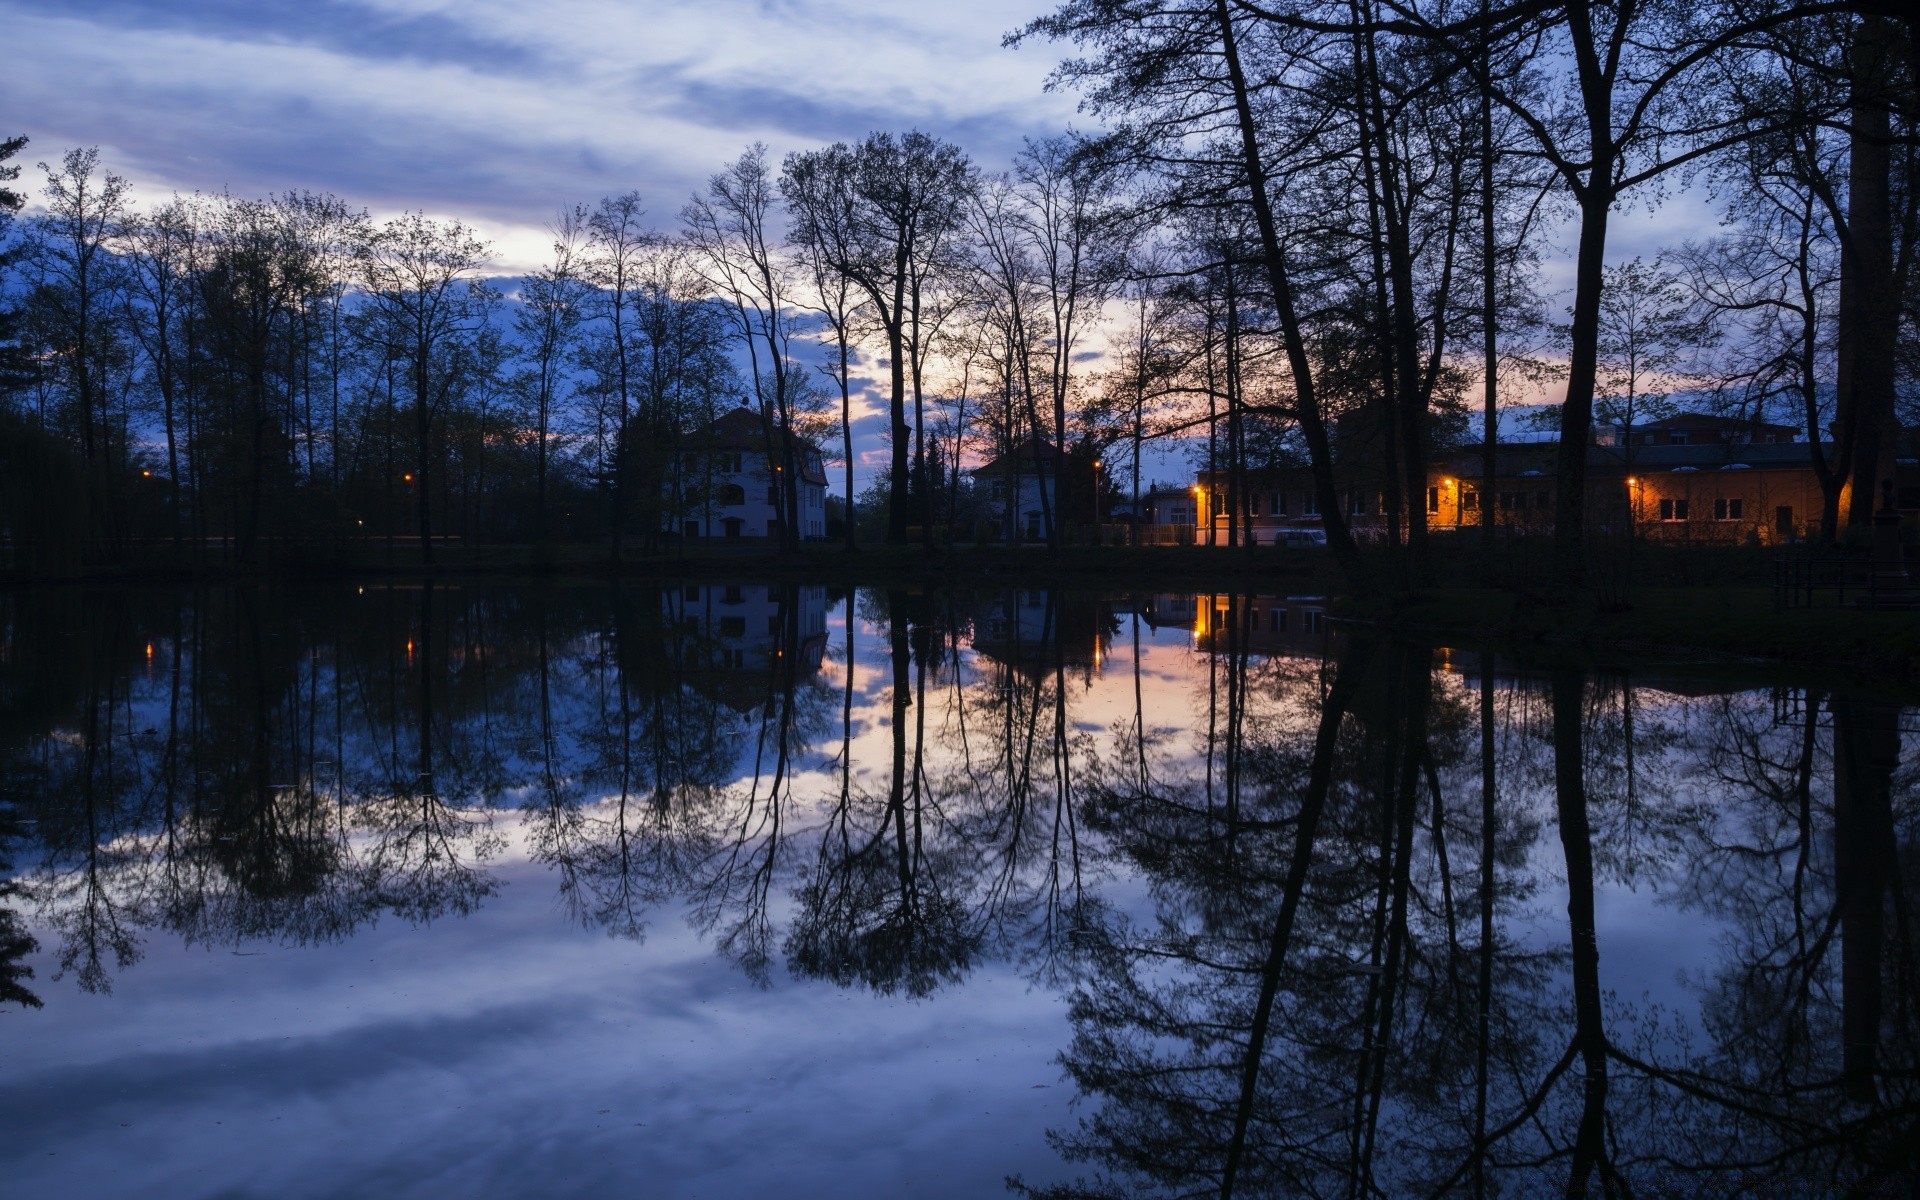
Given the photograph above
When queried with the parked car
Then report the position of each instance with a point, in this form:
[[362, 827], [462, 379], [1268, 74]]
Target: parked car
[[1300, 537]]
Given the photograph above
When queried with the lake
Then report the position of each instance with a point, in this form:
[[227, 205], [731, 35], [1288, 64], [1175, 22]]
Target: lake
[[716, 890]]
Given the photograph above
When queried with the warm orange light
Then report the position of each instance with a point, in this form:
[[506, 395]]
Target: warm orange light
[[146, 474], [149, 651], [408, 477]]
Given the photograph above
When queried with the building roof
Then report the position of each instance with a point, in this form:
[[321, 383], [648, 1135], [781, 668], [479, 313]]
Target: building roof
[[1032, 453], [752, 432]]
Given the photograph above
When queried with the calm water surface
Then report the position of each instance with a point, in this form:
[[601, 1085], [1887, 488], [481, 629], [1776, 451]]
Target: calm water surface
[[741, 890]]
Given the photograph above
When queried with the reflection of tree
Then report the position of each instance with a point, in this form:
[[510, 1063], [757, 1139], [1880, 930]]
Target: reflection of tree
[[881, 905], [1333, 975], [425, 846], [733, 888]]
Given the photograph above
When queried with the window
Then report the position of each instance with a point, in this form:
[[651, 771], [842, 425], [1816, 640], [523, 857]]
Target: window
[[1276, 620], [731, 595], [1311, 620], [1277, 505], [1357, 504], [1470, 500], [690, 595], [1677, 437], [1673, 510], [733, 493], [733, 626], [1310, 504], [1543, 499], [1433, 499], [1729, 510]]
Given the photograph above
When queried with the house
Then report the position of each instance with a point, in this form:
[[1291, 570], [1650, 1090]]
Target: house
[[1691, 476], [728, 484], [1277, 506], [1027, 476]]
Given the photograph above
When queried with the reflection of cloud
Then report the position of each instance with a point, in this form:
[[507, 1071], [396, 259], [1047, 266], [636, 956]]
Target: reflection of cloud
[[589, 1069]]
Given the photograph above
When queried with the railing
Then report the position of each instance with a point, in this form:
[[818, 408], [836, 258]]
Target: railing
[[1800, 582]]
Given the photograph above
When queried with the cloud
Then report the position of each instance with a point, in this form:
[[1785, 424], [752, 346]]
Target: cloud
[[497, 112]]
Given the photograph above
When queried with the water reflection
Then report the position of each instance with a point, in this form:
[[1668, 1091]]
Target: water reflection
[[1333, 916]]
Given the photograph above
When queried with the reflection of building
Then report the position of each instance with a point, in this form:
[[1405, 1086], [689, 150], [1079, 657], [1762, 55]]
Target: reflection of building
[[731, 473], [1260, 624], [732, 637], [1033, 630], [1026, 476], [1167, 610]]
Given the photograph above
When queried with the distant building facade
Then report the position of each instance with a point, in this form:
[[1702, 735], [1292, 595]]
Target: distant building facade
[[1691, 476], [729, 482], [1019, 491]]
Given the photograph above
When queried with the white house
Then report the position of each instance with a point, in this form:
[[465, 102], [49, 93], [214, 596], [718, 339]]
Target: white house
[[729, 481], [1027, 476]]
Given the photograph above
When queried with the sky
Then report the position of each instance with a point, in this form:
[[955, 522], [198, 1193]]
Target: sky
[[500, 111]]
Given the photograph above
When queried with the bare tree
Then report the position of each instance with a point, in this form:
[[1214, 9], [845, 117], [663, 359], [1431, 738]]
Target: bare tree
[[552, 308], [729, 229], [617, 240], [879, 212], [422, 284]]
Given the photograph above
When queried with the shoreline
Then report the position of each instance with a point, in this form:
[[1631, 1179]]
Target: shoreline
[[1729, 623]]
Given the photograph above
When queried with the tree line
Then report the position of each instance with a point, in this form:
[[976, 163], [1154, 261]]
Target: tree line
[[1308, 235]]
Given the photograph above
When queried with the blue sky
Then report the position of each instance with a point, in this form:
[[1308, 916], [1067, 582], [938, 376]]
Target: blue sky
[[501, 112]]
